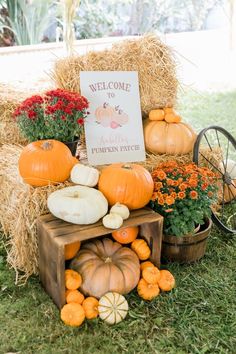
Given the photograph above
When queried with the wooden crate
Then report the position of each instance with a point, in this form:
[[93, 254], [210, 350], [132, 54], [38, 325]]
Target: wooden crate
[[54, 234]]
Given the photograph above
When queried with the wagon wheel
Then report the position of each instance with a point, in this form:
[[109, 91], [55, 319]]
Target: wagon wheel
[[216, 149]]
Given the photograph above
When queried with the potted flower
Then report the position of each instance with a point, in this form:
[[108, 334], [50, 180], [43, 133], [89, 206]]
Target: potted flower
[[58, 114], [183, 194]]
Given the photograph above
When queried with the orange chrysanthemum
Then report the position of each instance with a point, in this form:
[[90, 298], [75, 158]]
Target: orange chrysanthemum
[[169, 200], [193, 195], [181, 195], [183, 186]]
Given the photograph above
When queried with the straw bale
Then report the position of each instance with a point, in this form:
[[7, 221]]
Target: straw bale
[[20, 205], [152, 59]]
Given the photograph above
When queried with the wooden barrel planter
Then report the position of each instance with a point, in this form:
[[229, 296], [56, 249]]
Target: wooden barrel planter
[[186, 249]]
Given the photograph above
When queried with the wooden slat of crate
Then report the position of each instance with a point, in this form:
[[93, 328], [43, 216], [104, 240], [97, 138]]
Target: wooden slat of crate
[[54, 234]]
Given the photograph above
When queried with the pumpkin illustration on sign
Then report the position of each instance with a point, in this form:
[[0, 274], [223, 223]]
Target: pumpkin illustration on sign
[[112, 117]]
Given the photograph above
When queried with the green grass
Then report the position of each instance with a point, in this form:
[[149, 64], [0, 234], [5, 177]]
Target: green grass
[[198, 316]]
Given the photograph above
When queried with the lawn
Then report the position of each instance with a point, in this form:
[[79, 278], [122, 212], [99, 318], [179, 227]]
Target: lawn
[[198, 316]]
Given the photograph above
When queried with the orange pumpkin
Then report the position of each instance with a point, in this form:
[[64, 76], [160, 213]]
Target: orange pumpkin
[[143, 265], [147, 291], [106, 266], [151, 274], [168, 110], [126, 235], [172, 118], [166, 280], [73, 279], [140, 247], [156, 114], [168, 138], [90, 306], [128, 184], [46, 162], [74, 296], [72, 314], [71, 250]]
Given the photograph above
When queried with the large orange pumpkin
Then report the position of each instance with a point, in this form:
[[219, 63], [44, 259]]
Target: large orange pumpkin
[[129, 184], [106, 266], [45, 162], [168, 138]]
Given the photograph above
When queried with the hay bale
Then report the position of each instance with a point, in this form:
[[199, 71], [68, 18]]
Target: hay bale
[[20, 205], [148, 55]]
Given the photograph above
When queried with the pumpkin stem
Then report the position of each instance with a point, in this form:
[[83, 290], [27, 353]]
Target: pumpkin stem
[[107, 260], [47, 145], [127, 166]]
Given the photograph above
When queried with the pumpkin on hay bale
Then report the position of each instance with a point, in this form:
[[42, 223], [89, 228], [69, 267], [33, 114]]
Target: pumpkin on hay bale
[[147, 54]]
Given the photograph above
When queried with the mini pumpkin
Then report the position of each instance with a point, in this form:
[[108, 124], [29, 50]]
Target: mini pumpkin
[[84, 175], [156, 114], [166, 280], [78, 204], [141, 248], [112, 221], [168, 138], [72, 314], [120, 209], [147, 291], [106, 266], [71, 250], [113, 307], [145, 264], [74, 296], [90, 306], [125, 235], [45, 162], [128, 184], [151, 274], [172, 118], [73, 279], [229, 169]]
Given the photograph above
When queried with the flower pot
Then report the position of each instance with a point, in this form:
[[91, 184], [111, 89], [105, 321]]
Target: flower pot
[[186, 249], [72, 145]]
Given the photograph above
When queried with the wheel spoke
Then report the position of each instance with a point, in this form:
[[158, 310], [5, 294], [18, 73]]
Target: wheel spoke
[[211, 163], [223, 200], [207, 141], [227, 154], [217, 137]]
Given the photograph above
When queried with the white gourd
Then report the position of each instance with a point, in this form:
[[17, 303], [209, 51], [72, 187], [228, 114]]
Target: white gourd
[[112, 221], [113, 307], [84, 175], [121, 210], [78, 204]]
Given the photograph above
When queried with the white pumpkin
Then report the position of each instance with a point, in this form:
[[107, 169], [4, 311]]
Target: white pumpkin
[[112, 307], [84, 175], [112, 221], [78, 204], [121, 210]]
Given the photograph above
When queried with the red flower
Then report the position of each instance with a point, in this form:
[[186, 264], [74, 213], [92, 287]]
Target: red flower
[[80, 121]]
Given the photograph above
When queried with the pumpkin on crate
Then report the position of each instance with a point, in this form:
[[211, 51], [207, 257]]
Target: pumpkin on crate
[[84, 175], [129, 184], [106, 266], [72, 314], [112, 221], [90, 306], [78, 204], [125, 235], [71, 250], [45, 162], [120, 209], [168, 138], [113, 307]]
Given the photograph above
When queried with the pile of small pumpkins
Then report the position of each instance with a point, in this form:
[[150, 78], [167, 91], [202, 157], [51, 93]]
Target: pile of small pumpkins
[[103, 271]]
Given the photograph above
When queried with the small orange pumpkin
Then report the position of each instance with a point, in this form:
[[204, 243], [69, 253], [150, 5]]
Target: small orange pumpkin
[[45, 162], [71, 250], [126, 235], [143, 265], [151, 275], [140, 247], [128, 184], [74, 296], [172, 118], [166, 281], [147, 291], [90, 306], [156, 114], [72, 314], [168, 110], [73, 279]]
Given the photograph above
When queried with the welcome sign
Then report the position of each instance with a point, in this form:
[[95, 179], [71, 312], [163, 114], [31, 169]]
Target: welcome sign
[[113, 129]]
